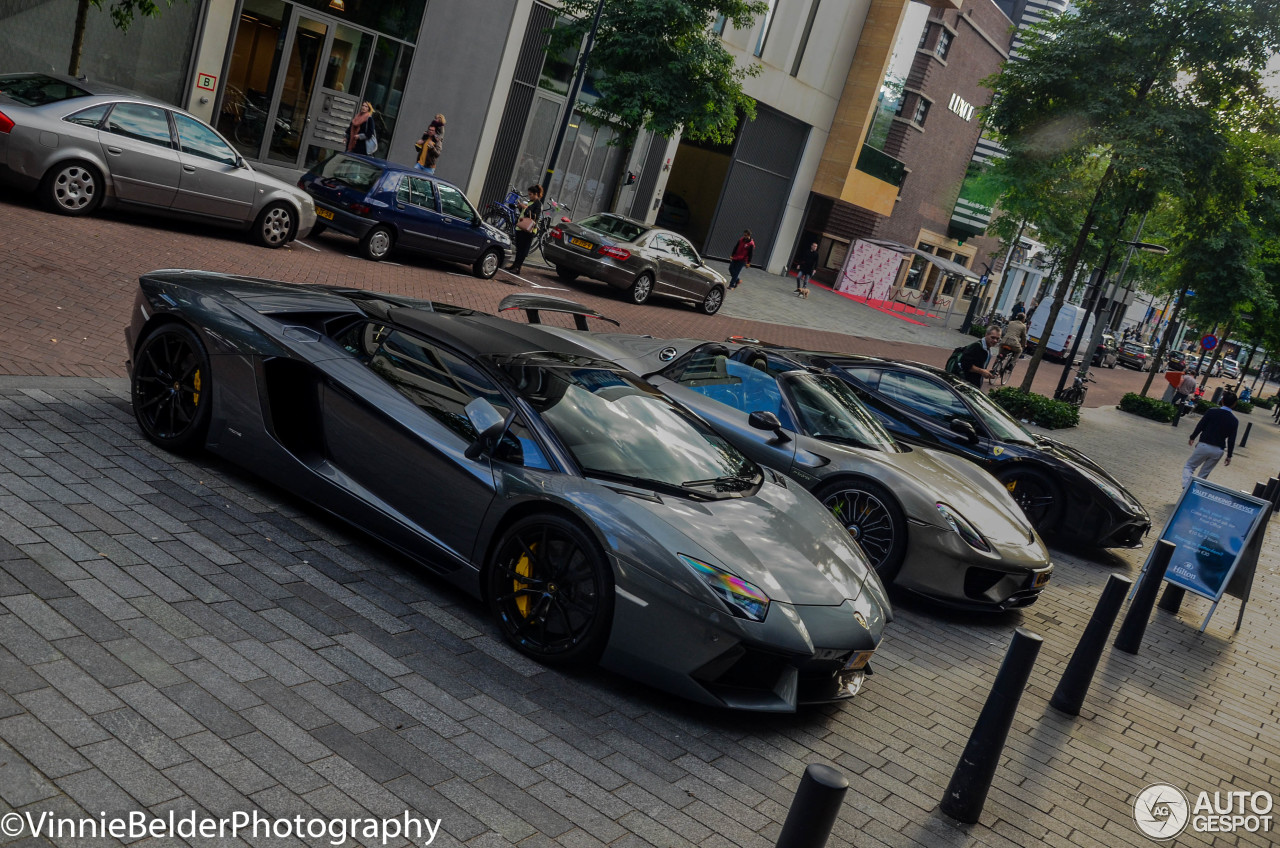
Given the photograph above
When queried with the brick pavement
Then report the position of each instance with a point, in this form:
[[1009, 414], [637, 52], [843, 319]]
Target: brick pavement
[[65, 295]]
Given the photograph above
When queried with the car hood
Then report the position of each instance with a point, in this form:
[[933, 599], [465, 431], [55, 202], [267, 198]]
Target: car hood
[[1092, 471], [780, 539]]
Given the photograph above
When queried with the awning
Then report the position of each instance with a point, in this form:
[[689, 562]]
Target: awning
[[945, 265]]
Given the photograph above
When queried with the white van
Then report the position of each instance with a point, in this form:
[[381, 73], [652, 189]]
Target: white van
[[1064, 329]]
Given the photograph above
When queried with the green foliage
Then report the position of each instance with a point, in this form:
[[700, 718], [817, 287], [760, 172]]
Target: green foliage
[[978, 330], [1156, 410], [1203, 406], [1264, 403], [1038, 409], [1244, 408], [661, 67]]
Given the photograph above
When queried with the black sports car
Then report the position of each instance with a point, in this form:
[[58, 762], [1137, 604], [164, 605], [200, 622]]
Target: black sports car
[[1066, 495], [597, 519]]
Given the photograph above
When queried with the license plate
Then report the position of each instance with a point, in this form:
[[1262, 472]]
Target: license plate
[[1042, 579], [324, 213], [858, 660], [582, 243]]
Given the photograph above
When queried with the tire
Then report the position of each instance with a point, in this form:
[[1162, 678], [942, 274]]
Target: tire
[[72, 188], [276, 225], [1039, 497], [319, 229], [641, 289], [874, 520], [550, 589], [488, 264], [566, 274], [377, 243], [713, 301], [170, 388]]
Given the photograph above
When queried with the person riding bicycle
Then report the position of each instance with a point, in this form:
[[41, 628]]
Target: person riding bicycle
[[1015, 335]]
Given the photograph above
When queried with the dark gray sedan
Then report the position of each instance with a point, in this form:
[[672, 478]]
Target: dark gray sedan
[[81, 145], [640, 259]]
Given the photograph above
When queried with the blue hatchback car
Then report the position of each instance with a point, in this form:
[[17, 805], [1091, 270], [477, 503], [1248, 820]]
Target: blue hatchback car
[[387, 205]]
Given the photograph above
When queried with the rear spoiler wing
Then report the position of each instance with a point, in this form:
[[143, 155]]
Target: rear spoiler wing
[[535, 304]]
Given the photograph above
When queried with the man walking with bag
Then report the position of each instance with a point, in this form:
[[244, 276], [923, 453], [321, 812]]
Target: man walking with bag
[[1217, 432]]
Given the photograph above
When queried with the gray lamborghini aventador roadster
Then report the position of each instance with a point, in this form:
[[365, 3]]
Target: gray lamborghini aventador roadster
[[596, 519]]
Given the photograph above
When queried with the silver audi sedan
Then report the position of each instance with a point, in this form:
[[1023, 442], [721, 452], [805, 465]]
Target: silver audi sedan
[[638, 258], [83, 145]]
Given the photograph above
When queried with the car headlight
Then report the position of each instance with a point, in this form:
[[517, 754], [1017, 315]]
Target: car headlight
[[964, 528], [742, 598]]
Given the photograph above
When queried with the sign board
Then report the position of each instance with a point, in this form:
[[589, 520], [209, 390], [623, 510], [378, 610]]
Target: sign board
[[1218, 532], [206, 81], [1209, 342]]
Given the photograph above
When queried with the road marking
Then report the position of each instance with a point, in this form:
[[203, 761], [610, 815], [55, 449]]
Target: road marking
[[531, 283], [309, 247]]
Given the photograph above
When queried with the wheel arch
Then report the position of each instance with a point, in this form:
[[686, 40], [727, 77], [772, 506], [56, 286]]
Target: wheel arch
[[523, 510], [62, 157]]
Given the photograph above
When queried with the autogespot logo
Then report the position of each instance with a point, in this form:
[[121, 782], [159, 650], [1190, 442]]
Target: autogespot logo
[[1161, 811]]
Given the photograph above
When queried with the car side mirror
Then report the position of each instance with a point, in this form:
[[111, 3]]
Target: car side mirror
[[963, 428], [488, 423], [768, 421]]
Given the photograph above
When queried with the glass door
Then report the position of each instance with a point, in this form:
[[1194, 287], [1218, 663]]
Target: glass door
[[292, 112], [251, 74], [337, 99]]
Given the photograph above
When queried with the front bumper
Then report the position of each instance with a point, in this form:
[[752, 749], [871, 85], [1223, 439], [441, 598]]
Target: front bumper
[[941, 566]]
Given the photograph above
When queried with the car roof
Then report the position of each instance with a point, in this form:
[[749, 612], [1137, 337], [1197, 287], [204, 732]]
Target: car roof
[[862, 360], [395, 167], [91, 87]]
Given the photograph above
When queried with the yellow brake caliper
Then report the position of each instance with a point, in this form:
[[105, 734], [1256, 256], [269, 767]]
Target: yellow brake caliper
[[195, 381], [1011, 485], [524, 567]]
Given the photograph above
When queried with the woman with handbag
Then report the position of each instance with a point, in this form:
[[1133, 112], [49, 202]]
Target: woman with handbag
[[527, 227], [361, 136]]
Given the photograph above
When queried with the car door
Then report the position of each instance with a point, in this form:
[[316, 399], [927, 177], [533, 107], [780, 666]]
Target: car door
[[394, 421], [213, 181], [663, 251], [416, 214], [459, 237], [931, 406], [137, 145], [694, 283], [724, 392]]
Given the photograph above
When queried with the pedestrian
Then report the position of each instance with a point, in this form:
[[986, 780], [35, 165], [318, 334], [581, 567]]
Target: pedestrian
[[741, 257], [975, 360], [362, 137], [530, 212], [1217, 432], [1018, 307], [805, 265], [431, 145]]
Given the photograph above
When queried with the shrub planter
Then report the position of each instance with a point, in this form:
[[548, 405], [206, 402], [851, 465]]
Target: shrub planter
[[1156, 410], [1038, 409]]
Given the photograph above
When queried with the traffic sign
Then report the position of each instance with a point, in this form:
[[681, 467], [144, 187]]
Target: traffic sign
[[1209, 342]]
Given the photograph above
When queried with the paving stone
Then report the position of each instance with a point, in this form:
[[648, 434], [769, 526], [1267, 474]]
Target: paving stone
[[41, 747], [280, 763], [131, 772], [83, 690], [63, 717], [208, 710], [20, 783], [143, 738]]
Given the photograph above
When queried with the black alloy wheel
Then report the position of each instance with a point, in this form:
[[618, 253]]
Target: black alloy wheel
[[171, 388], [551, 590], [874, 520], [1038, 496]]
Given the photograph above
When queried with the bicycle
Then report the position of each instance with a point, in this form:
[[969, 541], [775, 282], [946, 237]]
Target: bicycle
[[1003, 366], [503, 215], [545, 224], [1075, 394]]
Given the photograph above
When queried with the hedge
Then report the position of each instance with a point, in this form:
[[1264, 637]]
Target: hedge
[[1038, 409], [978, 330], [1264, 403], [1156, 410]]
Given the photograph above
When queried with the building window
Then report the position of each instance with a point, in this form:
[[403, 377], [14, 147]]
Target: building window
[[922, 111], [765, 26], [943, 46], [718, 26], [924, 36], [804, 37]]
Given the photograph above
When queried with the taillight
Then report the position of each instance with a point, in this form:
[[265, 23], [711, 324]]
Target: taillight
[[615, 253], [6, 123], [556, 233], [359, 208]]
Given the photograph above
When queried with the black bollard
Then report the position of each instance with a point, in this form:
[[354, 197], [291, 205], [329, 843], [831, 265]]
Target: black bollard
[[1269, 490], [1134, 625], [1259, 489], [967, 792], [1171, 600], [1244, 440], [1075, 681], [814, 808]]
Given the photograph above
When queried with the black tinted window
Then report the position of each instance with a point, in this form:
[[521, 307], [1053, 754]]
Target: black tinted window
[[612, 225], [198, 140], [90, 117], [418, 191], [140, 122], [38, 89], [348, 171]]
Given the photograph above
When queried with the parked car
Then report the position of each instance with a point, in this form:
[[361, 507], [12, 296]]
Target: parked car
[[594, 517], [83, 145], [1066, 495], [1193, 363], [1107, 353], [930, 523], [1231, 368], [1177, 360], [635, 257], [674, 212], [390, 206], [1137, 355]]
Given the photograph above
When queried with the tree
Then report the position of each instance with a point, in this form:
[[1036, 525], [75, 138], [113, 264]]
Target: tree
[[1151, 88], [660, 67], [122, 14]]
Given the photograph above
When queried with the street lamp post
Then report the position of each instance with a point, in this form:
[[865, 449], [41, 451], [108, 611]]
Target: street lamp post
[[572, 100], [1095, 300]]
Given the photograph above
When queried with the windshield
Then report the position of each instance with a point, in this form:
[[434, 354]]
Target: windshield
[[352, 172], [828, 409], [1003, 426], [612, 225], [620, 428], [38, 89]]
